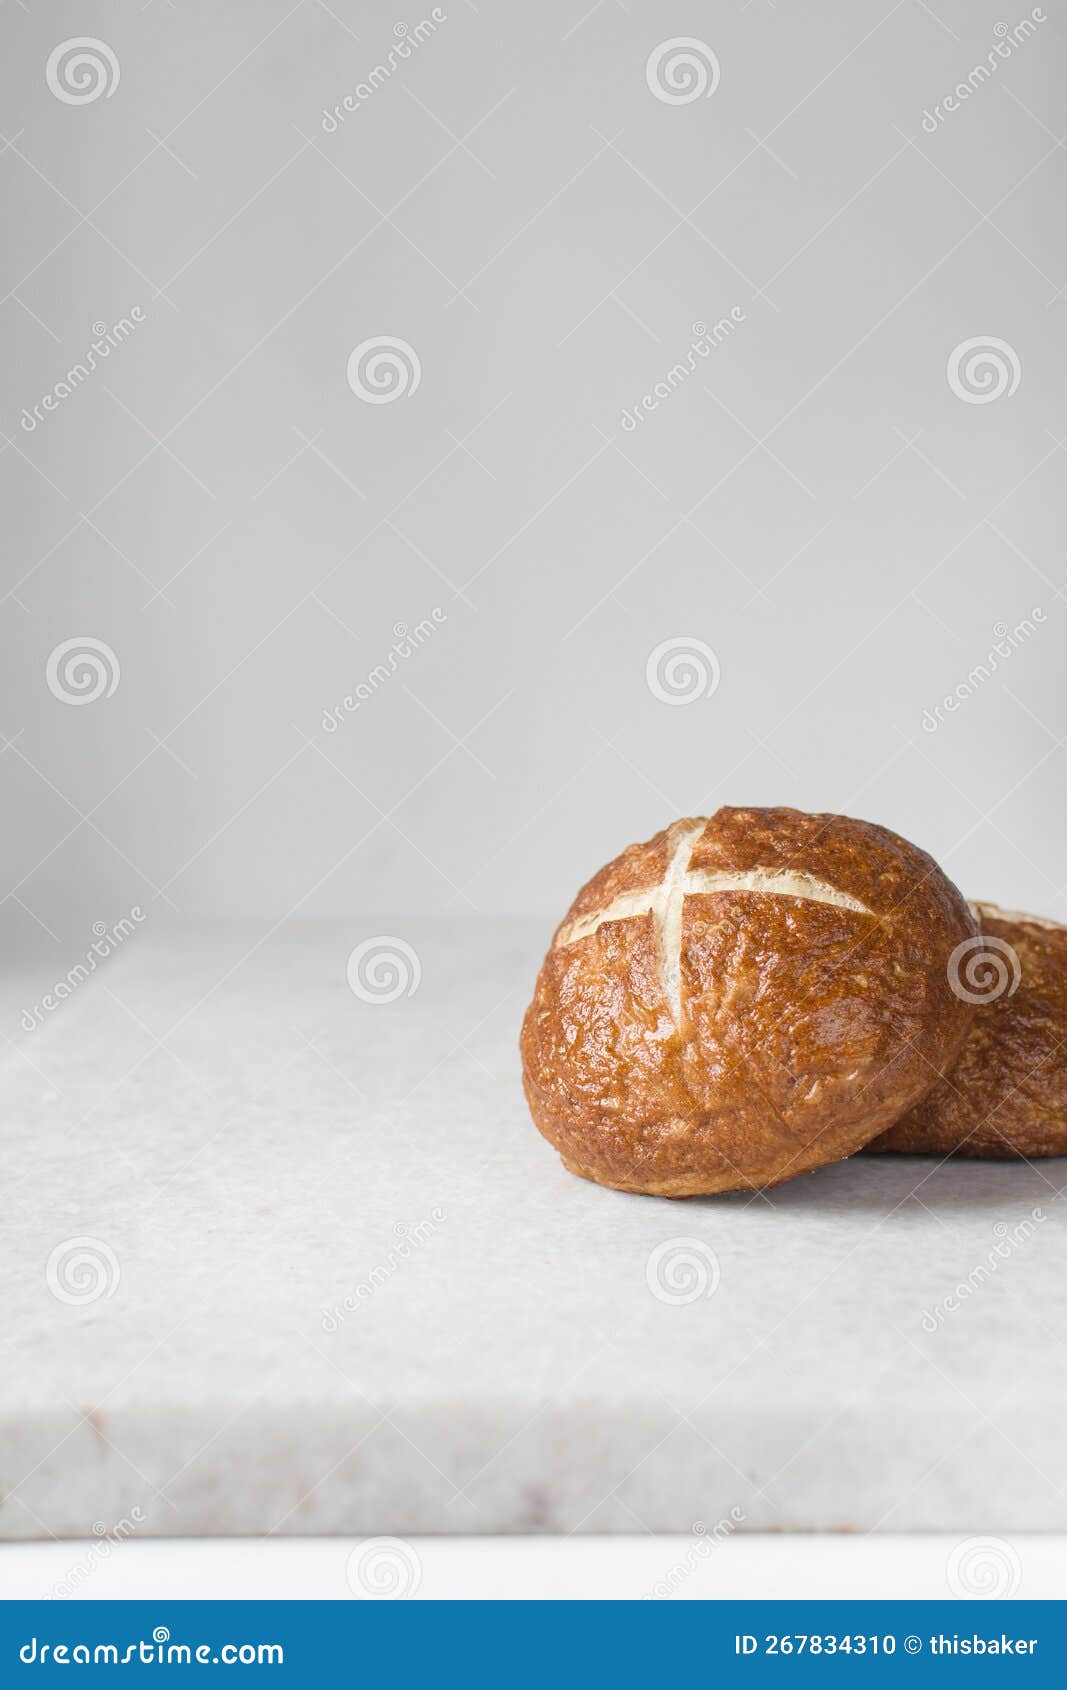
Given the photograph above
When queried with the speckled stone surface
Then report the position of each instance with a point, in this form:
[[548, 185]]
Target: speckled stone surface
[[336, 1283]]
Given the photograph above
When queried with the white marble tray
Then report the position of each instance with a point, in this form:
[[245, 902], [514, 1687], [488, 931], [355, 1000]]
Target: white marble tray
[[249, 1144]]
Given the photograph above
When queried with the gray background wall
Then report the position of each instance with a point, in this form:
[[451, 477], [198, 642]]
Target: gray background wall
[[815, 503]]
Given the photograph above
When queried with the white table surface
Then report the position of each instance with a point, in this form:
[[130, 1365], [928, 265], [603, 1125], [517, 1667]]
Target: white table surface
[[247, 1141], [774, 1567]]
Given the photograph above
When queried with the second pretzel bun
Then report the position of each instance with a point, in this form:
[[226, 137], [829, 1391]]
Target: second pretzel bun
[[741, 999], [1007, 1093]]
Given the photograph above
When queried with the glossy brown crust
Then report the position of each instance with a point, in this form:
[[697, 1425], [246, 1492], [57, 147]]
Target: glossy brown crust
[[637, 867], [1006, 1096], [805, 1030]]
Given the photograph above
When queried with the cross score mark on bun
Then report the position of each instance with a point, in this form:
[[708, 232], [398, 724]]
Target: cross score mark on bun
[[664, 902]]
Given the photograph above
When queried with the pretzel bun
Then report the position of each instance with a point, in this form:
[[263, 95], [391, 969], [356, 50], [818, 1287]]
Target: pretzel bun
[[1007, 1092], [742, 999]]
